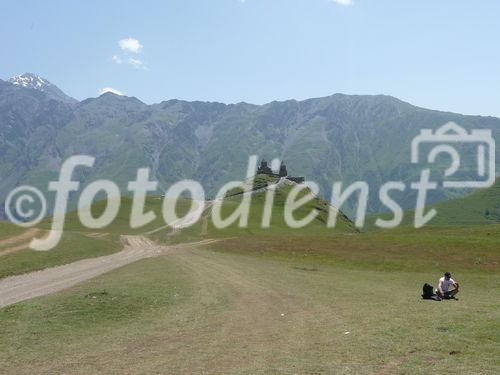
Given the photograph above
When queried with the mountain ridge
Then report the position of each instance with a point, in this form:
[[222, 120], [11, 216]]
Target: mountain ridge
[[32, 81], [292, 100], [335, 138]]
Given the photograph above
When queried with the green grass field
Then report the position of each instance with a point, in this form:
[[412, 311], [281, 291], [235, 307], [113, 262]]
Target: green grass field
[[317, 301]]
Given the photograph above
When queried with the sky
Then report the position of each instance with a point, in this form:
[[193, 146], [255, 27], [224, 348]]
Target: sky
[[436, 54]]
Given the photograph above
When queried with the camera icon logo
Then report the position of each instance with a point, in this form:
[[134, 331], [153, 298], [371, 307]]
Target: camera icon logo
[[479, 142]]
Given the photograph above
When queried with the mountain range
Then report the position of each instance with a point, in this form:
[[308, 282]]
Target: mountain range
[[336, 138]]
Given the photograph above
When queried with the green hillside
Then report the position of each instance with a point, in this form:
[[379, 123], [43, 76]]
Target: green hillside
[[278, 227], [480, 207], [79, 242]]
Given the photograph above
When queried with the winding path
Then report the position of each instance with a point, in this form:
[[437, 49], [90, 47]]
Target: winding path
[[22, 287]]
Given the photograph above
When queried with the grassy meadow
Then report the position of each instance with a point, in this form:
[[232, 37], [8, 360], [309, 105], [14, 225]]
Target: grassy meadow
[[262, 301]]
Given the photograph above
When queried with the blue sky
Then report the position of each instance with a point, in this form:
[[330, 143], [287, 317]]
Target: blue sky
[[437, 54]]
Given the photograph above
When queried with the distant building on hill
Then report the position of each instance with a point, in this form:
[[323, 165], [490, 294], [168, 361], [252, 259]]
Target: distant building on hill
[[265, 169]]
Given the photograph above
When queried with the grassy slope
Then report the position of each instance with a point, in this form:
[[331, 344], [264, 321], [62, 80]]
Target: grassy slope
[[480, 207], [206, 229], [79, 242], [9, 230]]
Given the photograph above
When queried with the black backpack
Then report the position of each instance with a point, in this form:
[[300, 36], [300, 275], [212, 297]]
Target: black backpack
[[428, 292]]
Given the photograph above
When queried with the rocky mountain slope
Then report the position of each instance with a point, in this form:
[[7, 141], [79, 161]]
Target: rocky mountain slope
[[34, 82], [336, 138]]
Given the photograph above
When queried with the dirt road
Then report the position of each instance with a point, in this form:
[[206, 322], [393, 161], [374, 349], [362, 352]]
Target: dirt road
[[22, 287]]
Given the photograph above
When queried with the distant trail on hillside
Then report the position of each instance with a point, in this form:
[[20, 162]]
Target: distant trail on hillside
[[23, 287], [16, 243], [28, 235], [180, 223]]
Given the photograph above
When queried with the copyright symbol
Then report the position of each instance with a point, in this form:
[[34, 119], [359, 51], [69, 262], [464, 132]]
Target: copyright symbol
[[21, 197]]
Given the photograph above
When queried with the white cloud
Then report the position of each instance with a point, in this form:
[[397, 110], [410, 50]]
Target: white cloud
[[130, 45], [343, 2], [136, 63], [117, 59], [111, 90]]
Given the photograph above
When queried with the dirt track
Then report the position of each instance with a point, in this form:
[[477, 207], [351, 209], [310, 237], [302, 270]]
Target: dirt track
[[19, 288], [26, 236], [17, 243]]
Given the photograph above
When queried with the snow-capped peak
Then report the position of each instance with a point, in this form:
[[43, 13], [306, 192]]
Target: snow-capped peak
[[34, 82], [30, 80]]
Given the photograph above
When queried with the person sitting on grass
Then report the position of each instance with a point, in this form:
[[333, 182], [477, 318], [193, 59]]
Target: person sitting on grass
[[443, 288]]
